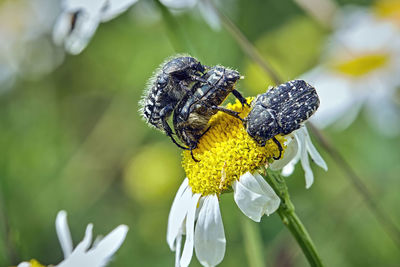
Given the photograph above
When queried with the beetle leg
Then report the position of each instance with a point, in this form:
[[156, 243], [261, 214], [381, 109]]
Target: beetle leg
[[279, 146], [168, 131], [183, 86], [227, 111], [170, 134], [209, 127], [206, 67], [177, 144], [261, 142], [239, 96], [191, 153], [198, 79]]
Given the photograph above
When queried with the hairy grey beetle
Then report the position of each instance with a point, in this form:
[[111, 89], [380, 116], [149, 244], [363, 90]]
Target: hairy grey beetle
[[167, 87], [281, 110], [193, 112]]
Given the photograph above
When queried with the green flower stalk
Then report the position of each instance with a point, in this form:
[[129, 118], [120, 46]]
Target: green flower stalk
[[289, 218]]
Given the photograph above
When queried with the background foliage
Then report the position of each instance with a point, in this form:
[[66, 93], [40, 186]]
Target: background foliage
[[74, 140]]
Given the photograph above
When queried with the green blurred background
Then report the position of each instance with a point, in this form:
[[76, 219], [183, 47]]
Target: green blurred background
[[74, 140]]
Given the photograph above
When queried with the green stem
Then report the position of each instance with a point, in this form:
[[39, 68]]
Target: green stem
[[252, 243], [289, 218]]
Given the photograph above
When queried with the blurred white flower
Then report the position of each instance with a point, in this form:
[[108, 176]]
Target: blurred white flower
[[206, 8], [25, 49], [299, 146], [85, 253], [79, 20], [253, 196], [179, 4], [388, 10], [360, 68], [210, 15]]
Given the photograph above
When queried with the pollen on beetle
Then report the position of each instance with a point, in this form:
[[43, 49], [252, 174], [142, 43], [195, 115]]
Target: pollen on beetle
[[225, 153]]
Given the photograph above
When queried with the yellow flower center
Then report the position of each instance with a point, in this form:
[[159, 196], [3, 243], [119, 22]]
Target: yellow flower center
[[388, 9], [361, 65], [225, 153], [35, 263]]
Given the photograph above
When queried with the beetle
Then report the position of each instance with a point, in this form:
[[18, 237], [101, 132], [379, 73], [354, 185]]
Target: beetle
[[193, 112], [167, 87], [281, 110]]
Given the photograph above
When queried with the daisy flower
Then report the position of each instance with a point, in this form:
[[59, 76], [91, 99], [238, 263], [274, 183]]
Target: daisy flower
[[299, 146], [85, 253], [24, 47], [388, 10], [359, 70], [229, 159], [79, 19], [206, 9]]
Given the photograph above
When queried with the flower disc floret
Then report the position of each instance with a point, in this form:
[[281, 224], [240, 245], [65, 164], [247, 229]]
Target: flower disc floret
[[388, 9], [225, 153], [363, 64]]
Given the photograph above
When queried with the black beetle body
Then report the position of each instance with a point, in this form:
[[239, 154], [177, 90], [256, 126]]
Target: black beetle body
[[281, 110], [167, 87], [196, 108]]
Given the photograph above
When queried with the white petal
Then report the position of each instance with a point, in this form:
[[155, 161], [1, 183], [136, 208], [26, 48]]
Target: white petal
[[97, 240], [288, 169], [178, 250], [115, 7], [179, 210], [275, 201], [88, 5], [210, 15], [87, 240], [313, 151], [78, 257], [350, 116], [62, 28], [99, 255], [179, 4], [85, 27], [189, 242], [24, 264], [87, 15], [290, 153], [299, 141], [209, 236], [305, 163], [384, 115], [248, 181], [254, 196], [304, 147], [63, 233], [335, 95], [355, 28], [107, 247]]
